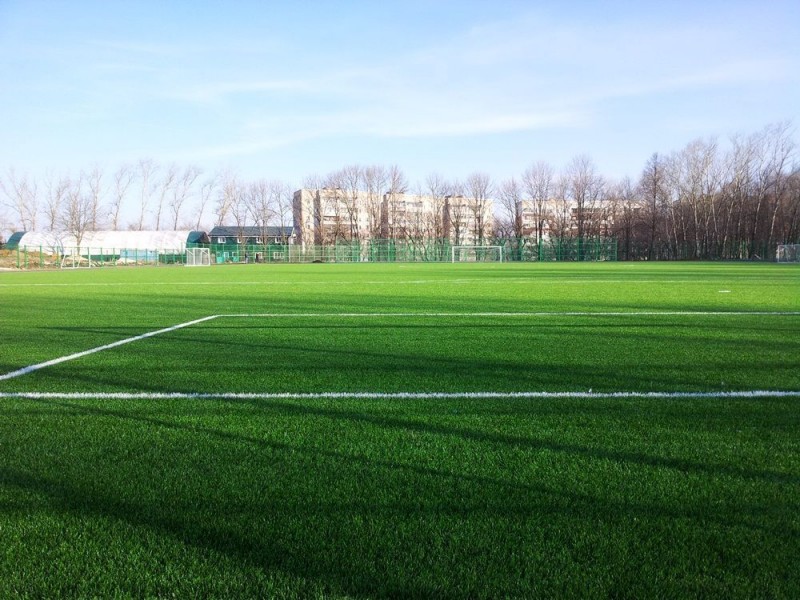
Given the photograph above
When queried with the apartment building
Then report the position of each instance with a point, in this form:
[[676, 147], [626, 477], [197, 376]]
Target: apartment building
[[562, 218], [326, 216]]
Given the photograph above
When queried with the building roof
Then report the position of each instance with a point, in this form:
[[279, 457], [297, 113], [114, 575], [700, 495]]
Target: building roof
[[250, 231], [13, 241], [110, 240]]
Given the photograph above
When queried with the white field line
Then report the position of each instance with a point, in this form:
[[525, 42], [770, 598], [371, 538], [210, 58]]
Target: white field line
[[392, 395], [55, 361], [325, 282], [519, 314]]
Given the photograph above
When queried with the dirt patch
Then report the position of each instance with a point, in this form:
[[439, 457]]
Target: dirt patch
[[10, 259]]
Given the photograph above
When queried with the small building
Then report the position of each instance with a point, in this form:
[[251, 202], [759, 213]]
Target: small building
[[231, 243], [231, 235]]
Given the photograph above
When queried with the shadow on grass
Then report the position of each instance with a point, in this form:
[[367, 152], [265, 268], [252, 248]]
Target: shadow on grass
[[291, 530]]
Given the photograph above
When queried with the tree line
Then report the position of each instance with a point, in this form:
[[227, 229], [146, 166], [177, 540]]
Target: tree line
[[704, 201]]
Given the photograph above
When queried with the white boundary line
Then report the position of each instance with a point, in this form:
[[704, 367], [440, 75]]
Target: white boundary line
[[535, 280], [391, 395], [55, 361], [521, 314]]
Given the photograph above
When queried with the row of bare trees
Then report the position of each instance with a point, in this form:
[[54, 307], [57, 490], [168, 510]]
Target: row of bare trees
[[141, 196], [261, 203], [93, 199], [350, 201], [377, 202], [703, 201]]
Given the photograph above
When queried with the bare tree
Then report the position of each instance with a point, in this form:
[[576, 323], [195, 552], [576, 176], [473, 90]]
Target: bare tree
[[790, 232], [537, 182], [237, 209], [333, 211], [181, 191], [94, 184], [780, 148], [165, 189], [21, 196], [693, 182], [414, 225], [257, 200], [228, 195], [56, 189], [584, 190], [78, 210], [456, 213], [352, 178], [652, 184], [123, 178], [437, 189], [281, 200], [624, 212], [479, 189], [146, 171], [207, 190], [560, 213], [398, 186], [375, 179], [510, 195]]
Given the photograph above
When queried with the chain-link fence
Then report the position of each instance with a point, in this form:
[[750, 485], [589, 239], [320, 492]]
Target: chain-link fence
[[354, 252]]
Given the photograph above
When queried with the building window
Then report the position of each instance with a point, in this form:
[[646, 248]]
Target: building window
[[220, 240]]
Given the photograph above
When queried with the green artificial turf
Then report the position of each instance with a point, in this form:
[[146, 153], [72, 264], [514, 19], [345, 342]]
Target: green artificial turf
[[375, 497]]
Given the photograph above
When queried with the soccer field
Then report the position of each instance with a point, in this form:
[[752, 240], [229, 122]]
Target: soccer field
[[401, 430]]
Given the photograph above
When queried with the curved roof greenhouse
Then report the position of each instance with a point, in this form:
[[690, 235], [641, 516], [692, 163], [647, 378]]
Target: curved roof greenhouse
[[173, 241]]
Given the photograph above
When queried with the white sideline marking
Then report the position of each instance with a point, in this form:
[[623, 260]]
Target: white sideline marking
[[390, 395], [55, 361], [681, 313], [537, 280]]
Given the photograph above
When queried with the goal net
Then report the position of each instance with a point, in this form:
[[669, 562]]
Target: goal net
[[73, 259], [198, 257], [476, 254], [788, 253]]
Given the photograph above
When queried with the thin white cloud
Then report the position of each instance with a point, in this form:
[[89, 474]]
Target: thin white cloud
[[529, 73]]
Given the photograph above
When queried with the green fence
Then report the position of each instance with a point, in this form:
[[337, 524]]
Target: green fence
[[54, 258], [565, 249], [600, 249], [368, 251]]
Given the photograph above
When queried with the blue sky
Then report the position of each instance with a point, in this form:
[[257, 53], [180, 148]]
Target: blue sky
[[288, 89]]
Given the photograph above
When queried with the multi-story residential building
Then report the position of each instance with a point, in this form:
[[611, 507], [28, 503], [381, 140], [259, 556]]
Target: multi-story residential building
[[412, 217], [331, 215], [327, 215], [467, 221], [561, 218]]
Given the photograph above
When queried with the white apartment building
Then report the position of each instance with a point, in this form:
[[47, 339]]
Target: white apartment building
[[557, 218], [327, 215], [331, 215]]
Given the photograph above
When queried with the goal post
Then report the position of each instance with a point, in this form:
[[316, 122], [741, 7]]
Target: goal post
[[788, 253], [198, 257], [72, 258], [476, 254]]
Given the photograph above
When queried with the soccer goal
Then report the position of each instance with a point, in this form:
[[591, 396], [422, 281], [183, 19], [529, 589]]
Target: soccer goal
[[788, 253], [476, 254], [198, 257], [75, 260]]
